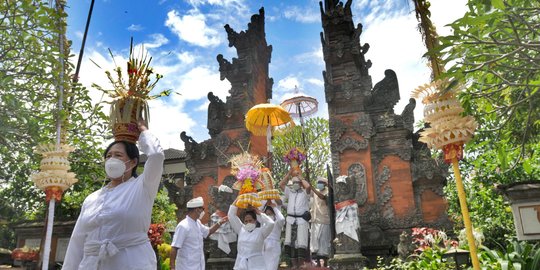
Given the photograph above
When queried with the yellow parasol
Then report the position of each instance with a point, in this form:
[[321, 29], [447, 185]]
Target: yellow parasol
[[261, 118], [265, 115]]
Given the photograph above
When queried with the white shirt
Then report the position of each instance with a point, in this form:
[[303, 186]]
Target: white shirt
[[272, 245], [319, 209], [111, 231], [275, 235], [297, 204], [250, 244], [188, 238]]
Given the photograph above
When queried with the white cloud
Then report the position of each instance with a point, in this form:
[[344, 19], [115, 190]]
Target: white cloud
[[90, 73], [157, 41], [287, 84], [79, 34], [302, 14], [135, 28], [186, 57], [445, 12], [167, 121], [192, 28], [314, 56], [316, 82], [374, 11], [197, 82], [203, 107]]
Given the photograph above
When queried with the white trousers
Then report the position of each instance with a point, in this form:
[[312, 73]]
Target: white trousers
[[320, 239], [271, 254], [302, 235]]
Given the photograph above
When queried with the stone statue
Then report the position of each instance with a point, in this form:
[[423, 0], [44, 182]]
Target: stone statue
[[224, 66], [216, 114], [357, 175], [231, 34], [189, 142], [347, 239], [222, 199], [385, 94], [222, 244], [408, 115], [345, 190], [404, 247]]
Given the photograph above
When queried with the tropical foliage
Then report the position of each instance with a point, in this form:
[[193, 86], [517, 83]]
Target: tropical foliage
[[317, 148], [29, 74], [494, 49]]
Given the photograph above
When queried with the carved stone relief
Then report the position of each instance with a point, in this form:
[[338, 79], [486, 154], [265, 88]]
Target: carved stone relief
[[347, 88], [363, 126], [357, 172], [384, 192], [222, 143], [346, 245], [222, 200], [349, 142], [337, 128], [335, 163], [385, 120], [215, 115]]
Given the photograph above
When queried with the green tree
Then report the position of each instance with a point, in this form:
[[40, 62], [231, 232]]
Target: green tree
[[317, 147], [494, 49], [30, 74]]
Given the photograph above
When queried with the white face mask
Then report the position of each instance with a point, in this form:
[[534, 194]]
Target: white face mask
[[249, 227], [115, 167], [296, 186], [201, 215], [320, 186]]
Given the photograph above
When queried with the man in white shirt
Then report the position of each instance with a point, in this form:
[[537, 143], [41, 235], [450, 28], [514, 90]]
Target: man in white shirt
[[297, 226], [187, 244], [320, 223]]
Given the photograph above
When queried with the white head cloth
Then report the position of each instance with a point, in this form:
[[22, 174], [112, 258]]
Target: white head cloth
[[224, 188], [195, 202]]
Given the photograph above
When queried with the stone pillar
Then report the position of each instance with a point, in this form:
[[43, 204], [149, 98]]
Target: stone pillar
[[395, 185]]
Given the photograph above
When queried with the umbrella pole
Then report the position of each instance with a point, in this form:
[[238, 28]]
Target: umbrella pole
[[304, 141], [308, 251], [269, 149]]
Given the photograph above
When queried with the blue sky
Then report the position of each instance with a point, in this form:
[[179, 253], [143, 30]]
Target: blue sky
[[185, 36]]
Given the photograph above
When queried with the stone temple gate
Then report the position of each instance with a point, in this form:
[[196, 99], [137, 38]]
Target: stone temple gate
[[391, 175]]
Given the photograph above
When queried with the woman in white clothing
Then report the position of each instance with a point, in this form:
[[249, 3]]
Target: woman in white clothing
[[111, 231], [272, 244], [250, 237]]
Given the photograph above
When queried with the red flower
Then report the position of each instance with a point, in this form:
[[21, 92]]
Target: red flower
[[155, 233]]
